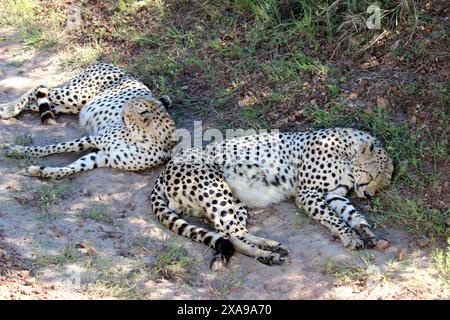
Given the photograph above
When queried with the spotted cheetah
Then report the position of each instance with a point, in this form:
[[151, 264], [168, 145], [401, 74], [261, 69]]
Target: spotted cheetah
[[317, 168], [127, 126]]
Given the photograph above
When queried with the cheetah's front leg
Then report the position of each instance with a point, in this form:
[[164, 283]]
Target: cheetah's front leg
[[347, 211], [75, 145], [263, 243], [315, 205], [88, 162]]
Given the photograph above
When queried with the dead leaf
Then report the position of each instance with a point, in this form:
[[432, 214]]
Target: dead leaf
[[400, 255], [368, 110], [353, 96], [382, 102]]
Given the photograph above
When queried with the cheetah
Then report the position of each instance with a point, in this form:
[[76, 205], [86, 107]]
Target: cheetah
[[316, 168], [126, 126]]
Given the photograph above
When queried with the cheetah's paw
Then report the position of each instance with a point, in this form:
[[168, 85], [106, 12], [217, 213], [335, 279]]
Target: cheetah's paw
[[352, 241], [33, 171], [365, 232], [271, 259], [282, 250]]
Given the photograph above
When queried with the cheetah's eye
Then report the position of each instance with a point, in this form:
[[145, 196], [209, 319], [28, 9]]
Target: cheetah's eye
[[145, 112]]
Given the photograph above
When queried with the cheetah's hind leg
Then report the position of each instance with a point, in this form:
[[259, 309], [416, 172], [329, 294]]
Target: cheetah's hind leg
[[34, 100], [13, 108]]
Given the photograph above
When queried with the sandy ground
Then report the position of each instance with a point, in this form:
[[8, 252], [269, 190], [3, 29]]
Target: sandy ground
[[99, 239]]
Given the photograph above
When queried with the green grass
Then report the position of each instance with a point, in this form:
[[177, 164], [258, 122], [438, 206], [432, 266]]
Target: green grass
[[173, 261], [344, 273], [253, 117], [67, 255], [411, 214], [138, 245], [114, 287], [121, 279], [16, 63], [13, 11], [97, 212], [47, 196], [288, 68], [329, 116], [333, 89], [442, 260], [35, 29], [223, 285], [23, 139], [80, 56]]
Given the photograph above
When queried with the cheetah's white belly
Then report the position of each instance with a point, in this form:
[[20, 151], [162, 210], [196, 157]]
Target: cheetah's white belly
[[257, 194]]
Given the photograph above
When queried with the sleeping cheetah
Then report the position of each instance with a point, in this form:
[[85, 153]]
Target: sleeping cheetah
[[317, 168], [128, 128]]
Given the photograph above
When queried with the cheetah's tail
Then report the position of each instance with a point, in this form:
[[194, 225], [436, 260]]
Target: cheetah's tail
[[223, 246]]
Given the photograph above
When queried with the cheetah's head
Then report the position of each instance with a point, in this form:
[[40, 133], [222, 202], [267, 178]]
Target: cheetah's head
[[372, 169], [141, 111]]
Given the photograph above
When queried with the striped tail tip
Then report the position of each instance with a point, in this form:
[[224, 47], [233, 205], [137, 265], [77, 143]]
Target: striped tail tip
[[224, 250]]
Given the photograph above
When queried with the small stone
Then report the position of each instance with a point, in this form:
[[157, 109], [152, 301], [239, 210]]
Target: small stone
[[400, 255], [313, 103], [91, 251], [2, 253], [298, 115], [423, 243], [115, 235], [29, 282], [279, 124], [382, 245]]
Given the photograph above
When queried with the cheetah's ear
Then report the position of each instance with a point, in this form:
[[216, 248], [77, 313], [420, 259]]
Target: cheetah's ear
[[165, 100]]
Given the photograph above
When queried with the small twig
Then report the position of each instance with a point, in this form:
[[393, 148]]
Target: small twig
[[381, 36]]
